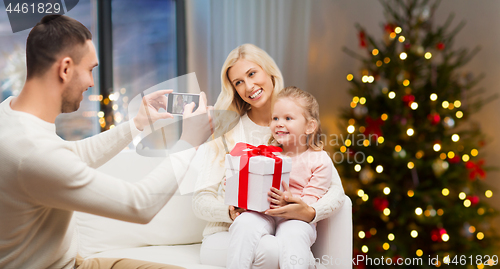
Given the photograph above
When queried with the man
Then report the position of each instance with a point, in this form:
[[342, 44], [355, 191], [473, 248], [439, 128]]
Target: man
[[43, 178]]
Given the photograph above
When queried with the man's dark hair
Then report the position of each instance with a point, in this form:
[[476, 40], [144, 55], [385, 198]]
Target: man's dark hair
[[53, 36]]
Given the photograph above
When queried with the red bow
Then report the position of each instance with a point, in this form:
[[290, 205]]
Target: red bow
[[246, 151], [475, 169]]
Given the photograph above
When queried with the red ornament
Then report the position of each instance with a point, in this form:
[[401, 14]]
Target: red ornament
[[440, 46], [475, 169], [359, 264], [380, 203], [389, 28], [436, 234], [362, 39], [473, 200], [408, 99], [455, 159], [434, 118], [373, 127]]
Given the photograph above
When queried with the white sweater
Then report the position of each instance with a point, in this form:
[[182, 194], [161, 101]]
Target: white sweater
[[44, 178], [208, 200]]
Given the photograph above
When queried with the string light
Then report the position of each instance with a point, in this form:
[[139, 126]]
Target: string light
[[410, 193], [414, 105], [445, 237], [419, 252], [440, 212], [459, 114], [480, 211], [397, 148], [349, 77], [366, 143], [445, 104], [434, 97], [380, 140], [352, 121], [410, 132], [369, 159], [406, 82], [418, 211], [351, 129], [375, 52], [343, 149], [361, 234], [419, 154], [387, 212], [362, 100], [411, 165], [361, 193], [445, 192], [387, 190], [364, 249], [398, 30], [403, 56], [348, 142], [365, 197], [442, 156], [353, 105], [391, 237], [488, 194], [414, 234], [401, 39], [392, 35], [457, 103], [386, 246], [357, 168], [392, 95], [384, 117], [379, 169], [387, 60], [451, 154], [436, 147], [465, 158], [474, 152], [428, 55], [379, 63], [455, 137], [480, 236]]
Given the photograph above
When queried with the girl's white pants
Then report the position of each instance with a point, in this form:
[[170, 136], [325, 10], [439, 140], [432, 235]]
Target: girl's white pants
[[256, 240]]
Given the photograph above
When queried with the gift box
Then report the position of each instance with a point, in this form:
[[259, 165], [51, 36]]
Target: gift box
[[250, 174]]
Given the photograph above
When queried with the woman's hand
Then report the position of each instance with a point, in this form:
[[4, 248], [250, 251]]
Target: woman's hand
[[235, 212], [277, 197]]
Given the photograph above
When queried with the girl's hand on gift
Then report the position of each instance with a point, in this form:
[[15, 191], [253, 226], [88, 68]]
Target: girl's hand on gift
[[277, 197], [235, 212]]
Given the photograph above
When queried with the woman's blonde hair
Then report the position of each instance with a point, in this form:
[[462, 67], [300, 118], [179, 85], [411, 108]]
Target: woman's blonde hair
[[310, 108], [229, 99]]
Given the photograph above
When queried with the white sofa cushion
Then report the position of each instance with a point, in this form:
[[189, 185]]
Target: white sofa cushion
[[174, 224]]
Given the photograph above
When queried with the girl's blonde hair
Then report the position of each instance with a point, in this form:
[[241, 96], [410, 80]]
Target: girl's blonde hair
[[310, 108], [229, 99]]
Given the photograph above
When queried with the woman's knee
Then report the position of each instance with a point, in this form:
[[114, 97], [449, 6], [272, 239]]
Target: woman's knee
[[250, 222], [267, 253]]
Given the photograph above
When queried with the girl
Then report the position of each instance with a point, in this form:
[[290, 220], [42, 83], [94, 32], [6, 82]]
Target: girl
[[295, 126], [250, 81]]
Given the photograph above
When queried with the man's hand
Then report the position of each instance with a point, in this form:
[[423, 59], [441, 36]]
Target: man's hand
[[148, 112], [277, 197], [235, 212], [197, 125]]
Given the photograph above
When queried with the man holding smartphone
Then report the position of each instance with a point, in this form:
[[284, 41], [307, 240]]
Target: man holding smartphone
[[43, 178]]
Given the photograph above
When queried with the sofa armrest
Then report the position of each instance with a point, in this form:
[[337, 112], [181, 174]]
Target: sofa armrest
[[333, 246]]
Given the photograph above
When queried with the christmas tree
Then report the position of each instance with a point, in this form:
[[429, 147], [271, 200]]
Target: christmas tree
[[412, 157]]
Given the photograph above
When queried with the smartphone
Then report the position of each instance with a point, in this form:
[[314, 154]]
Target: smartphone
[[177, 101]]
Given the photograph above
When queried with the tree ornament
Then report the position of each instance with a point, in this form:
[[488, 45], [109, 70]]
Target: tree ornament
[[380, 203], [408, 99], [434, 118], [456, 159], [360, 111], [362, 39], [440, 46], [439, 167], [373, 127], [475, 169], [366, 175], [436, 234], [474, 199]]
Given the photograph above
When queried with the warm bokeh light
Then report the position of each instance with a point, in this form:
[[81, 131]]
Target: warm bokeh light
[[365, 197], [350, 77], [411, 165], [445, 192], [375, 52], [434, 97], [410, 193], [351, 129], [410, 132], [369, 159], [459, 114], [474, 152], [387, 60], [414, 234], [379, 169], [455, 137], [364, 249], [386, 246], [419, 252], [380, 139], [488, 194], [361, 234], [401, 39], [398, 30], [384, 117], [392, 95], [387, 212], [465, 158], [391, 237], [387, 190], [418, 211], [467, 203], [445, 104], [428, 55], [357, 168], [480, 236], [403, 56], [397, 148], [361, 193], [437, 147], [462, 195], [406, 82]]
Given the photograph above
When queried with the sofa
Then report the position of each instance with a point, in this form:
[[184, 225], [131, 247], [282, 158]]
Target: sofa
[[174, 235]]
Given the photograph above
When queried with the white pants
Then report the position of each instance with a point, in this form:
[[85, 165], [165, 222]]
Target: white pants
[[251, 243]]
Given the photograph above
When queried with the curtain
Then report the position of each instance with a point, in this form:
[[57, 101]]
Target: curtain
[[215, 27]]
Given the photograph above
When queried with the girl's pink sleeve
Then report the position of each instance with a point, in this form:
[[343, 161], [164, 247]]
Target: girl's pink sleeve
[[321, 178]]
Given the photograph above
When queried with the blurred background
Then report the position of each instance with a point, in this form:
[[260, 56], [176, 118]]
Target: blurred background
[[143, 43]]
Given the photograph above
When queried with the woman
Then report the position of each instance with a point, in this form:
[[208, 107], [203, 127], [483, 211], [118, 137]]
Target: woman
[[250, 81]]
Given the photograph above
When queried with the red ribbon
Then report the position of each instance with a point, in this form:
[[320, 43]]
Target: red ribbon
[[246, 151]]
